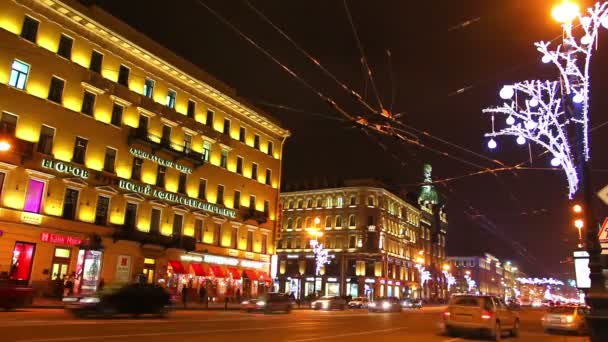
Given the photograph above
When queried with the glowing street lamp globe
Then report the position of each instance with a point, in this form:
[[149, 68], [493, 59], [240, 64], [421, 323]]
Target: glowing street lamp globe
[[492, 144], [565, 12], [4, 146]]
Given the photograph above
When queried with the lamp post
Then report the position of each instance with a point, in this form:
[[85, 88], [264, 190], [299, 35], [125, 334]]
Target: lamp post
[[555, 115], [321, 256]]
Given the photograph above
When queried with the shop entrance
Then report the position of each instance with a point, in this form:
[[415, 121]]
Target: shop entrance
[[21, 262], [149, 270], [61, 263]]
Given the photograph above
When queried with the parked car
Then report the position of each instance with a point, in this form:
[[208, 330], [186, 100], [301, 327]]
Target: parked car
[[487, 315], [385, 304], [329, 303], [13, 295], [409, 303], [359, 303], [271, 302], [132, 299], [566, 318]]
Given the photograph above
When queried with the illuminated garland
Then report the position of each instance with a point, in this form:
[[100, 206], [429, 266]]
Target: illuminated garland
[[425, 275], [534, 110], [540, 281], [322, 257]]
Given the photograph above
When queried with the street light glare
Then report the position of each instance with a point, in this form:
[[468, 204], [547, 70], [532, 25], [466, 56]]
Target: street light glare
[[577, 208], [578, 223], [565, 12], [317, 220], [4, 146]]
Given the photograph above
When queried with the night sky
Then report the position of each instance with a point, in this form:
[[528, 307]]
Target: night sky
[[433, 56]]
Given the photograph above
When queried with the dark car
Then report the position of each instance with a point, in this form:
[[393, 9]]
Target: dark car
[[13, 295], [271, 302], [385, 304], [132, 299], [409, 303]]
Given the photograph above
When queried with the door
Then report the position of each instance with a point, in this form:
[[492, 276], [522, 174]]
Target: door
[[61, 262], [506, 316]]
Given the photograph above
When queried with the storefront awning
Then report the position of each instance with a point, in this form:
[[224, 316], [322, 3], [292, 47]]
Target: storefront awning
[[251, 274], [263, 276], [177, 266], [234, 273], [200, 270], [217, 271]]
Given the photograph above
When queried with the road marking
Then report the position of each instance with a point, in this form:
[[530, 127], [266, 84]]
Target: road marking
[[348, 334]]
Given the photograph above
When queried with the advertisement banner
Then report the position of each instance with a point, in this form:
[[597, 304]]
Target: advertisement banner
[[88, 270], [123, 269]]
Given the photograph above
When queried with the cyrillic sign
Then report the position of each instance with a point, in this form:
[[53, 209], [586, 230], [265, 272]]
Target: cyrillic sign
[[63, 167], [147, 190], [60, 239], [160, 161]]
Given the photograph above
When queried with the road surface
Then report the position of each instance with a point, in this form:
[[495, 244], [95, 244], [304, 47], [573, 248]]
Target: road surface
[[54, 325]]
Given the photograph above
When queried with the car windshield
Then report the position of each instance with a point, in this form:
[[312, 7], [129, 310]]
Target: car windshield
[[465, 301], [562, 310]]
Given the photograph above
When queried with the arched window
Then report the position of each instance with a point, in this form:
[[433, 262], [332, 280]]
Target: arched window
[[339, 202], [338, 221], [307, 223], [300, 204], [289, 223], [328, 222], [370, 201], [352, 241], [309, 203], [329, 202], [352, 221], [319, 203], [299, 222], [353, 200], [290, 205]]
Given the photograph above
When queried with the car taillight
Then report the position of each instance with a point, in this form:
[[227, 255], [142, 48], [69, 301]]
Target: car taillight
[[447, 314], [486, 315]]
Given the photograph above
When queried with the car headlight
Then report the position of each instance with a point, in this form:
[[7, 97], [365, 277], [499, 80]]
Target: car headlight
[[314, 303], [260, 303], [325, 305], [89, 300], [569, 319], [373, 305], [245, 302], [386, 305]]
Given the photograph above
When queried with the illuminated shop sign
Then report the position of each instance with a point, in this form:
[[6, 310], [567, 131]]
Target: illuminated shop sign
[[147, 190], [220, 260], [160, 161], [63, 167], [60, 239]]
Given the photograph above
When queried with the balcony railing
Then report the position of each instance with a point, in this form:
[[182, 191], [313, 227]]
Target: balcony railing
[[179, 151], [187, 243]]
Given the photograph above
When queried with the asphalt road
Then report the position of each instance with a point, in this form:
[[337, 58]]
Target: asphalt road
[[46, 325]]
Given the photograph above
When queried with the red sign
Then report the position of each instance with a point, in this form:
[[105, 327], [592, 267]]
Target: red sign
[[60, 239]]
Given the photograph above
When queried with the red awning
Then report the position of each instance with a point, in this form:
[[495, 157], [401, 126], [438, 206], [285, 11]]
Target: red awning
[[236, 274], [217, 271], [251, 274], [200, 270], [177, 266], [264, 276]]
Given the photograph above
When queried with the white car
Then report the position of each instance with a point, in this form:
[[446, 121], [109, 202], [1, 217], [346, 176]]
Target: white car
[[358, 303]]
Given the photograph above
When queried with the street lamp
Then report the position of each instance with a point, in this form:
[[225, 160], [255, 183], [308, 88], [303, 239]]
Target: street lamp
[[4, 146], [565, 12], [321, 255]]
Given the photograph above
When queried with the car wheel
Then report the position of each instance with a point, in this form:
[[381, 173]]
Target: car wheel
[[515, 330], [497, 332]]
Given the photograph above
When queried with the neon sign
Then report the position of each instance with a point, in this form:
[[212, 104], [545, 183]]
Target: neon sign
[[62, 167], [160, 161]]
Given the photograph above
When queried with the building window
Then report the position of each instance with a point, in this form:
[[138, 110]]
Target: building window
[[80, 150], [8, 124], [45, 141], [101, 210], [123, 75], [130, 215], [269, 178], [328, 222], [237, 199], [191, 110], [70, 202], [155, 221], [352, 222], [202, 189], [206, 151], [239, 165], [88, 103], [300, 204], [319, 203], [149, 88], [224, 159], [209, 118], [65, 46], [117, 111], [29, 30], [198, 230], [234, 238], [96, 62], [136, 170], [296, 243], [338, 221], [329, 202], [339, 202], [165, 139], [56, 89], [33, 196], [242, 134], [254, 171], [353, 200], [298, 223], [264, 244], [266, 207], [226, 126], [183, 180], [217, 231], [171, 95], [370, 201], [19, 73], [289, 223], [161, 171], [109, 162], [290, 204], [370, 220], [187, 143], [256, 142], [249, 241], [178, 222], [252, 202], [352, 241], [270, 148], [220, 194]]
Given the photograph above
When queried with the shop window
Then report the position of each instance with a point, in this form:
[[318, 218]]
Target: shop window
[[19, 74], [136, 170], [61, 263], [234, 238], [109, 162], [161, 171], [148, 88], [269, 179], [254, 171], [130, 215], [202, 189], [96, 61], [226, 126], [191, 109], [80, 150], [209, 118], [70, 203], [220, 194], [206, 151], [249, 241], [8, 124], [237, 199], [101, 210], [183, 180], [155, 221], [56, 90], [21, 261], [242, 133], [198, 230], [178, 223], [239, 165], [29, 30], [33, 196], [65, 46], [117, 111], [224, 159], [171, 95], [123, 75], [149, 270], [265, 244]]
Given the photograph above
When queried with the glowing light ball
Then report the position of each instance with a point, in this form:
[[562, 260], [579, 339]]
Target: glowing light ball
[[510, 120], [492, 144], [556, 162], [521, 140], [506, 92]]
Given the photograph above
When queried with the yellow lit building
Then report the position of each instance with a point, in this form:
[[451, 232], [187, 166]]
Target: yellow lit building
[[127, 161]]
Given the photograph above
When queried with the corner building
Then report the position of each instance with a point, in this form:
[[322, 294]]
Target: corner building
[[127, 162]]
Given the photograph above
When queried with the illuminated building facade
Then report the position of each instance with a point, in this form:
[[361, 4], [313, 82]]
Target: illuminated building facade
[[127, 161]]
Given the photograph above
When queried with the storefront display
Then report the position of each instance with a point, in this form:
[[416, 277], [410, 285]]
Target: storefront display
[[21, 261], [88, 269]]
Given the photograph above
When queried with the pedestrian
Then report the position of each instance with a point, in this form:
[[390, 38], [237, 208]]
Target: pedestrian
[[226, 299], [68, 286], [202, 292], [184, 295]]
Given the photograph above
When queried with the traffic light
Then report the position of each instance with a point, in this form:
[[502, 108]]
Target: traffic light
[[579, 221]]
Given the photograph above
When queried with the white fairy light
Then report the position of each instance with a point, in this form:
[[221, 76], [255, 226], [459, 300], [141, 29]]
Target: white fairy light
[[547, 59], [533, 102], [578, 98], [510, 120], [586, 40], [530, 125], [604, 21], [492, 144], [555, 162], [521, 140], [506, 92]]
